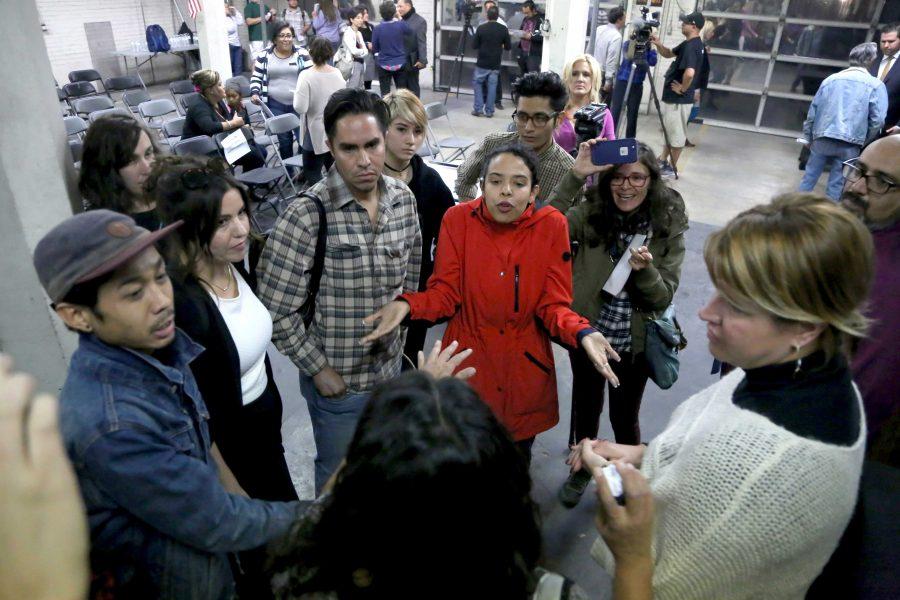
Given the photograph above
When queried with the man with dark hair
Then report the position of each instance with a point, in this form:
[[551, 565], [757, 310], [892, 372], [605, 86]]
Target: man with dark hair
[[678, 89], [490, 40], [531, 46], [885, 68], [373, 254], [498, 102], [540, 99], [163, 508], [608, 47], [417, 44]]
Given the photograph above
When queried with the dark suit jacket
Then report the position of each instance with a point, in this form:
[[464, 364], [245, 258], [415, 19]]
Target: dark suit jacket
[[202, 119], [218, 369], [892, 83]]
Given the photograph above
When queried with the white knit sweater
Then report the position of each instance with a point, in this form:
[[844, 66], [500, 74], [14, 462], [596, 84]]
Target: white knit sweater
[[744, 508]]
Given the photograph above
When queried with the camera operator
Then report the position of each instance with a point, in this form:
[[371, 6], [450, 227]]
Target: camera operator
[[679, 86], [532, 44]]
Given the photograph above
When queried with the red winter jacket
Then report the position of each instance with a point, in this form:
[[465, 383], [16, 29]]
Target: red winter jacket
[[506, 289]]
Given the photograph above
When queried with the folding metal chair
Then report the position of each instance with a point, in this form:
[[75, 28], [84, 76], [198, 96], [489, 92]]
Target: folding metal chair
[[86, 106], [79, 89], [256, 119], [459, 145], [185, 102], [75, 126], [154, 112], [109, 111], [64, 105], [276, 126], [135, 98], [261, 182], [201, 145], [89, 76], [181, 88], [172, 130], [123, 84]]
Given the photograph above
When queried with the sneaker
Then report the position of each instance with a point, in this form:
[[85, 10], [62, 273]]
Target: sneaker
[[475, 113], [571, 491], [667, 172], [498, 105]]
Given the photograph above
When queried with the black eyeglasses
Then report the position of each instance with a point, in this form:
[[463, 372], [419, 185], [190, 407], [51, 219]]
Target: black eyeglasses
[[539, 119], [874, 183], [636, 181]]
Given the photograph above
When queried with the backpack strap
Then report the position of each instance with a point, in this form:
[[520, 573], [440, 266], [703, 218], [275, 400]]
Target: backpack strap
[[308, 309]]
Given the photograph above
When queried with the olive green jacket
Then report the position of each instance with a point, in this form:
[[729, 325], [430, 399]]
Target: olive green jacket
[[650, 290]]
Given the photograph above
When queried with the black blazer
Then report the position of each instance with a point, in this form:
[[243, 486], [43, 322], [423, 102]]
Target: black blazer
[[218, 369], [433, 198], [892, 83], [202, 119]]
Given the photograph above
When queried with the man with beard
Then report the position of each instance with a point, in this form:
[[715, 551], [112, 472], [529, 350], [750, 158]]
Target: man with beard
[[872, 191]]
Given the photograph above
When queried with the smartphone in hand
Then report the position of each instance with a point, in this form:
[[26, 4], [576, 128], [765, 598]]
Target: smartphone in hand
[[614, 152]]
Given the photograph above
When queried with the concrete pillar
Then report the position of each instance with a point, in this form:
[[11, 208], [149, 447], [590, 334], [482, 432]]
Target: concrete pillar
[[37, 191], [568, 26], [212, 38]]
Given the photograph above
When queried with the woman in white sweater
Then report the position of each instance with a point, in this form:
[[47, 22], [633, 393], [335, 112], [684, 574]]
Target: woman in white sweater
[[352, 41], [755, 478], [314, 87]]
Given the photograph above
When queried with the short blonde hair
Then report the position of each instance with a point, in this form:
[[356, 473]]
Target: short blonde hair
[[799, 259], [403, 104], [205, 79], [596, 74]]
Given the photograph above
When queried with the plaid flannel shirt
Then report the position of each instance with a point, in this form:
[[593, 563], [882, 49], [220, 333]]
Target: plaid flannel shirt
[[365, 268], [553, 164]]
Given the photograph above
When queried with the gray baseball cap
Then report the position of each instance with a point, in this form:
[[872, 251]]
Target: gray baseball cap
[[88, 245]]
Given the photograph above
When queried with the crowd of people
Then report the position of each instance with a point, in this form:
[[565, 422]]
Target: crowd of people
[[162, 465]]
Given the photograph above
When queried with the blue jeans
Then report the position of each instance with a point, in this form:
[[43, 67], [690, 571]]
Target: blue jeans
[[827, 153], [334, 423], [237, 60], [285, 140], [478, 79]]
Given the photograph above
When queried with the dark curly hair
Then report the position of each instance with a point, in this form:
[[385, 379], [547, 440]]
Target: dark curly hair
[[663, 208], [434, 496], [546, 84], [108, 147], [526, 154]]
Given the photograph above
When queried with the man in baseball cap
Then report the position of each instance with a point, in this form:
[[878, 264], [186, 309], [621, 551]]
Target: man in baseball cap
[[134, 423]]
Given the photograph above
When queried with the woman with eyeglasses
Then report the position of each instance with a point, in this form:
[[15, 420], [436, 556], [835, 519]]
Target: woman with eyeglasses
[[629, 200], [502, 276], [581, 75], [274, 79], [215, 304]]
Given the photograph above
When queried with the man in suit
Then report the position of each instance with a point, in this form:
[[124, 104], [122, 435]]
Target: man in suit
[[418, 51], [885, 68]]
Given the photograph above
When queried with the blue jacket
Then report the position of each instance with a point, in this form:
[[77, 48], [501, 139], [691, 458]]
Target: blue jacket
[[641, 71], [849, 106], [161, 524], [389, 43]]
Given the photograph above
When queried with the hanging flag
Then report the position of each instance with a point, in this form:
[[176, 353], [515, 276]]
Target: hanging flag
[[194, 7]]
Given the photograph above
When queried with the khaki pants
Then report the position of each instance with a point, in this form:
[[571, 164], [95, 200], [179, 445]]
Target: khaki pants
[[675, 119]]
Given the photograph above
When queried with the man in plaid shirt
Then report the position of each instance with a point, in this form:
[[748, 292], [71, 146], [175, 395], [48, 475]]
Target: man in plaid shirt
[[373, 254], [540, 101]]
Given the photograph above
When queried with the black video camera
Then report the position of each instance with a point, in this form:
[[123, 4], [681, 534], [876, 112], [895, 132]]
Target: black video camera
[[589, 122], [466, 8], [641, 31]]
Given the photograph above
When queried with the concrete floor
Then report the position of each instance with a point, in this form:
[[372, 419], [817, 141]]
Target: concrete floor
[[726, 173]]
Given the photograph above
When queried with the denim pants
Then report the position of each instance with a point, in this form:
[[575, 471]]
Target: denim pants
[[285, 140], [237, 60], [825, 153], [334, 423], [478, 79]]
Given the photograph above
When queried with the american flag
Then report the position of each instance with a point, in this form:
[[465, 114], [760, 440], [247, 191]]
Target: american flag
[[194, 7]]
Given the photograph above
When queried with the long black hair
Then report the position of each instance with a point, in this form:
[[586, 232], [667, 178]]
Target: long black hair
[[663, 209], [433, 502], [191, 189], [108, 147]]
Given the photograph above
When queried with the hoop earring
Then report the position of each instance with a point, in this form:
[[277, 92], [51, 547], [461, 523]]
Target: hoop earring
[[799, 362]]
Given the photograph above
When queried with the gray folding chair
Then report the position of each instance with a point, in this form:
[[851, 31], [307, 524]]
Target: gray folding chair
[[123, 84], [64, 105], [154, 112], [172, 130], [459, 145], [262, 182], [75, 126], [201, 145], [86, 106], [109, 111], [79, 89], [89, 76], [135, 98], [283, 124], [186, 101], [181, 88]]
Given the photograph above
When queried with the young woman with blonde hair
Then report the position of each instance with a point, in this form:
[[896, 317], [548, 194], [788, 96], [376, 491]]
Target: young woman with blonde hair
[[582, 78]]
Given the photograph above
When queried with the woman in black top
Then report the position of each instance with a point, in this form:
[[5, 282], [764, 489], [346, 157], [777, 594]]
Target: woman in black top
[[369, 60], [209, 116], [118, 155], [404, 137]]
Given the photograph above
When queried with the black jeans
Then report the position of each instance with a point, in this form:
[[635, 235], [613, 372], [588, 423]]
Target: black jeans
[[624, 401], [412, 80], [632, 105], [313, 163], [385, 77], [528, 64]]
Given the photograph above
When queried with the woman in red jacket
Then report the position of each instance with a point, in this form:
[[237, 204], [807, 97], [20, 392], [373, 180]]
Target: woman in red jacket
[[503, 276]]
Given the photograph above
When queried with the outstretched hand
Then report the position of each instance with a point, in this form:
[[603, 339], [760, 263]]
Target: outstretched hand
[[443, 363], [584, 167], [388, 318], [600, 352]]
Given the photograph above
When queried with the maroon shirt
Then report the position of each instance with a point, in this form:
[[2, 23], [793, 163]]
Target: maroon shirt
[[876, 364]]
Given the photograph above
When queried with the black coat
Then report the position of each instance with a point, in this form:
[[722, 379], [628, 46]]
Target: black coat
[[433, 198], [892, 83], [218, 369], [202, 119]]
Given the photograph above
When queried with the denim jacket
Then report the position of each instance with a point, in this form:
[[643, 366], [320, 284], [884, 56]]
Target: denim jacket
[[136, 430], [850, 105]]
